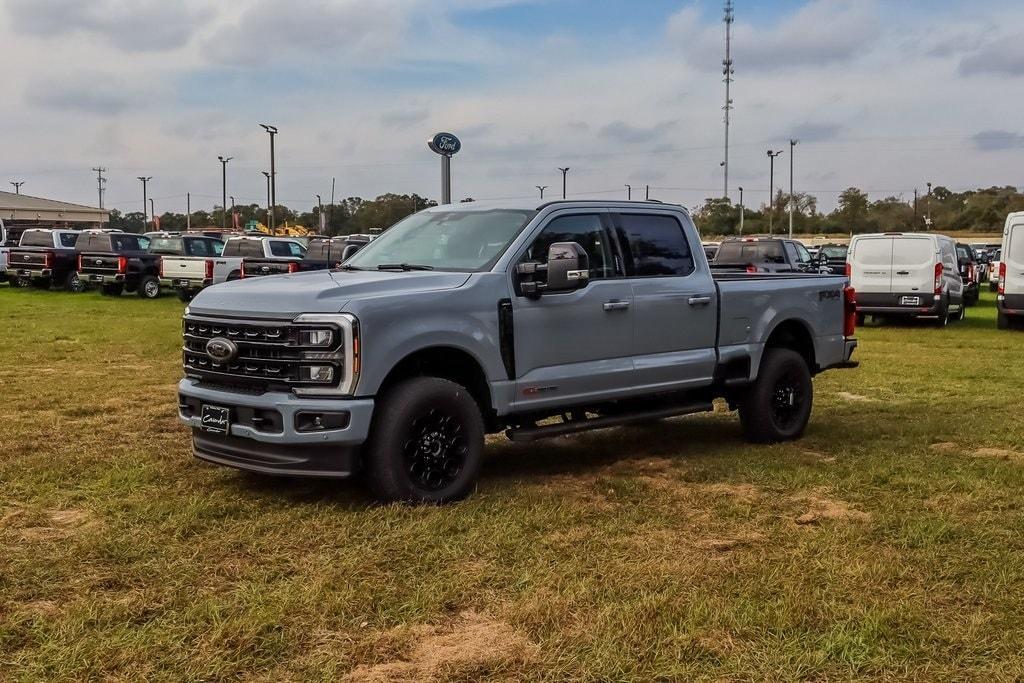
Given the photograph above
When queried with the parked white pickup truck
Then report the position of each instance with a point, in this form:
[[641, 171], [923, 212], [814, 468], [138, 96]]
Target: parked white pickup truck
[[190, 274]]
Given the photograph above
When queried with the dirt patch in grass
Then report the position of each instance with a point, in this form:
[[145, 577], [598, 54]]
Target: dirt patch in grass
[[855, 398], [472, 644], [821, 509], [998, 453], [945, 447], [723, 545], [48, 525]]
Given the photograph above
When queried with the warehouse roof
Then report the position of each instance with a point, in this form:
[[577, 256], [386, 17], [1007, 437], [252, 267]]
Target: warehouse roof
[[23, 207]]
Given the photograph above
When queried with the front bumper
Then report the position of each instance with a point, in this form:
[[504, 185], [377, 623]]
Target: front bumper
[[890, 304], [275, 445]]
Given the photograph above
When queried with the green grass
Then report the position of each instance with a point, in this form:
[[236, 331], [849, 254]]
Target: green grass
[[668, 552]]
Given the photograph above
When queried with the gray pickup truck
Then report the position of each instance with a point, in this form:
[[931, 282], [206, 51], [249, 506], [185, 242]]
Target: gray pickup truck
[[466, 320]]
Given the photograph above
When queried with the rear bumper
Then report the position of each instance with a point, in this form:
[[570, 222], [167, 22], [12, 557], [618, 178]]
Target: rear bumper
[[1010, 304], [33, 273], [102, 278], [890, 304], [185, 283], [279, 448]]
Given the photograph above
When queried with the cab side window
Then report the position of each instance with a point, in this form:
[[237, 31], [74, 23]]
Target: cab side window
[[655, 245], [587, 231]]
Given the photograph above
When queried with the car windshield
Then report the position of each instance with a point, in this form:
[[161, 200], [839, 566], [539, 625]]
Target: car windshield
[[444, 240]]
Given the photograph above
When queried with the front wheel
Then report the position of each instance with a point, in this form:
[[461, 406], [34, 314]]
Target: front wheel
[[426, 443], [149, 287], [777, 406]]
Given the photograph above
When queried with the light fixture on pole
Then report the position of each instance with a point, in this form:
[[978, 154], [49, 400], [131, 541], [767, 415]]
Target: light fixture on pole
[[272, 131], [541, 188], [17, 186], [319, 213], [565, 172], [928, 207], [629, 192], [224, 190], [145, 181], [792, 196], [771, 189]]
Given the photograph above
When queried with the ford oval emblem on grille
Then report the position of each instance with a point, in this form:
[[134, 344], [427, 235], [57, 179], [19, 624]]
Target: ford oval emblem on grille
[[221, 350], [99, 262]]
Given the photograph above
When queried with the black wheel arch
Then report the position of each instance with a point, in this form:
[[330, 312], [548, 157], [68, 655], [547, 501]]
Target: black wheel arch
[[796, 335]]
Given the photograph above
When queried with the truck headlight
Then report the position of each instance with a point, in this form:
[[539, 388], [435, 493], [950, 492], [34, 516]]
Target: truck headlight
[[329, 328]]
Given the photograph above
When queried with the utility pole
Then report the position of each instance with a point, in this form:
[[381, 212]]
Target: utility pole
[[224, 190], [792, 198], [771, 189], [100, 182], [741, 210], [565, 172], [188, 211], [629, 192], [915, 206], [319, 213], [272, 130], [928, 207], [145, 180], [17, 186], [152, 212], [541, 188], [267, 176], [233, 226], [727, 71], [330, 209]]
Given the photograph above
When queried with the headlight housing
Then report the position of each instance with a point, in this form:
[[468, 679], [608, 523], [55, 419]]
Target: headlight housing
[[322, 334]]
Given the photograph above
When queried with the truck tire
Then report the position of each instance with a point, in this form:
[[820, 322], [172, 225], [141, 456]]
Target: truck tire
[[111, 290], [186, 295], [777, 406], [73, 283], [426, 443], [943, 319], [1002, 321], [149, 287]]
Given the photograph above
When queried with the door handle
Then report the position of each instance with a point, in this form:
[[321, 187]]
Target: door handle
[[699, 300], [616, 305]]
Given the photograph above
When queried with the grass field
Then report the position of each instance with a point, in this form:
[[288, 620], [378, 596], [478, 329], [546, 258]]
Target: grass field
[[886, 544]]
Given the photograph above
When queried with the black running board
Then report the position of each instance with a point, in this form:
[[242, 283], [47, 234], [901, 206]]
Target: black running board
[[546, 431]]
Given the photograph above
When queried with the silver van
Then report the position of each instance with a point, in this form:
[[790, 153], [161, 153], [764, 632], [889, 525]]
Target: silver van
[[1010, 301], [912, 275]]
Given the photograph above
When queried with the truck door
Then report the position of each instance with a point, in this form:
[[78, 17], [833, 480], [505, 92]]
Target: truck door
[[573, 347], [675, 301]]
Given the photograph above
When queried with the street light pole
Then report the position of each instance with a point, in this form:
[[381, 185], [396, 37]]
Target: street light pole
[[267, 176], [17, 186], [272, 130], [319, 213], [541, 188], [629, 192], [741, 210], [224, 190], [145, 180], [233, 226], [152, 212], [928, 207], [792, 198], [771, 189], [565, 172], [188, 211]]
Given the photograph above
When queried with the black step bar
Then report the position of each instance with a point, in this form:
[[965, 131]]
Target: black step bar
[[534, 433]]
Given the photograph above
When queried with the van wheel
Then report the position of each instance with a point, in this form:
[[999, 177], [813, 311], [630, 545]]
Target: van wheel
[[1002, 321], [777, 406], [426, 443], [943, 319], [149, 287]]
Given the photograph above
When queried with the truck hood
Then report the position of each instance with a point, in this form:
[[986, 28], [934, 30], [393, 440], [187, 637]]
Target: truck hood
[[285, 296]]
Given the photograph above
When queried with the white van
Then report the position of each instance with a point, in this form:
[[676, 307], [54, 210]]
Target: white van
[[1010, 301], [906, 274]]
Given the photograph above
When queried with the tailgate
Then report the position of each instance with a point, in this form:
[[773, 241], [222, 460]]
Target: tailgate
[[27, 259], [184, 268], [871, 268], [99, 263]]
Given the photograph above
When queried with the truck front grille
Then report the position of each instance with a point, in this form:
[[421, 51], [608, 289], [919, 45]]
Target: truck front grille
[[267, 355]]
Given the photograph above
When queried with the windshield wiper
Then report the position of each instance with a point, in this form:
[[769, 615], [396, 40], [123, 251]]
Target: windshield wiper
[[345, 266], [403, 266]]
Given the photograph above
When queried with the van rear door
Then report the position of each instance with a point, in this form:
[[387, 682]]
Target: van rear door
[[871, 265], [1013, 257], [913, 264]]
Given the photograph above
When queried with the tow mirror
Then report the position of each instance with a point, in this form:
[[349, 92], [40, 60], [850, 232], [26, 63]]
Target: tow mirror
[[568, 268]]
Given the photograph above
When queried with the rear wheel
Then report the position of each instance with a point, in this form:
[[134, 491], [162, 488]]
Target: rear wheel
[[426, 443], [111, 290], [73, 283], [149, 287], [962, 315], [943, 319], [778, 405]]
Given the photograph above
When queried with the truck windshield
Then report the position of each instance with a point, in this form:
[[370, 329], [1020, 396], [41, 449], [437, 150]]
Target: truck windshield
[[750, 252], [445, 240]]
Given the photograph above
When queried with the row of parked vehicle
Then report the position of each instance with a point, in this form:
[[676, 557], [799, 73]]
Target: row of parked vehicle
[[118, 262], [897, 274]]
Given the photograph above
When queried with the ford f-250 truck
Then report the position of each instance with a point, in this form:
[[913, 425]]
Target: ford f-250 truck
[[193, 273], [118, 262], [471, 319], [45, 257]]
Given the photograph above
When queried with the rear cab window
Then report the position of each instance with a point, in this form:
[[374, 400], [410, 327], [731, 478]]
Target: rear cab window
[[751, 252], [168, 246], [287, 249], [36, 238], [245, 248], [1015, 249]]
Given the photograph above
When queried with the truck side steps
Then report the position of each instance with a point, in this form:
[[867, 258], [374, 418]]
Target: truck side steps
[[535, 432]]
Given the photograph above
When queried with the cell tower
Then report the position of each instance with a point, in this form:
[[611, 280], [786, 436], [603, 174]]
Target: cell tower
[[727, 71]]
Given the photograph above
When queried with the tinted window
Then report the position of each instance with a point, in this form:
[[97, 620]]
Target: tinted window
[[244, 247], [198, 247], [834, 252], [216, 247], [128, 242], [874, 252], [802, 255], [791, 252], [36, 238], [68, 239], [657, 245], [167, 245], [286, 249], [916, 251], [1015, 249], [93, 242], [587, 231], [750, 252]]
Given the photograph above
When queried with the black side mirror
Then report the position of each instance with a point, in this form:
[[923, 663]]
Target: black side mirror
[[568, 268]]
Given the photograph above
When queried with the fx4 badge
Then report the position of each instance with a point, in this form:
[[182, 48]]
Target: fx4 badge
[[829, 294]]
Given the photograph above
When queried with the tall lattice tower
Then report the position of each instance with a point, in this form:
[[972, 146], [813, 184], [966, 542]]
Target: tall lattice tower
[[728, 72]]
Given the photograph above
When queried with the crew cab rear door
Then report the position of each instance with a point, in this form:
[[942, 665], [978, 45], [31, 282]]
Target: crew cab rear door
[[871, 264], [675, 301], [576, 346]]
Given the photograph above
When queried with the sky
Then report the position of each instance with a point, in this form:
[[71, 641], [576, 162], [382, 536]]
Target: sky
[[882, 95]]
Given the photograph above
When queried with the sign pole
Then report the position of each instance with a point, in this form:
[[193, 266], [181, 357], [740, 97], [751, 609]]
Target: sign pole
[[446, 146], [446, 179]]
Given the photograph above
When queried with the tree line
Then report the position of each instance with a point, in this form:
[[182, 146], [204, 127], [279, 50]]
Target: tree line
[[345, 217], [982, 210]]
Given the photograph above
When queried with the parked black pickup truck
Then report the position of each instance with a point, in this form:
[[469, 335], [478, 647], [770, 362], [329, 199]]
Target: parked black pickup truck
[[763, 255], [118, 261], [45, 257]]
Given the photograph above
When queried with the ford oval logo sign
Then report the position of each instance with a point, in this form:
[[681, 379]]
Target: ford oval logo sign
[[221, 350], [445, 144]]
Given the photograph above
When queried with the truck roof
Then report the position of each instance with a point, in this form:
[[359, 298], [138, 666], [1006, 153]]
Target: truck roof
[[536, 205]]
